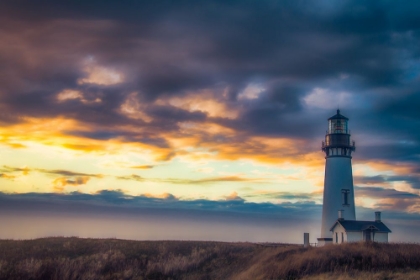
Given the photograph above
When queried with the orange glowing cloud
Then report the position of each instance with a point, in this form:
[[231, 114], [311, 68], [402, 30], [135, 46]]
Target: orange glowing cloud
[[133, 109], [395, 167], [202, 101], [192, 141], [7, 176], [160, 196], [61, 182], [409, 205], [199, 141], [142, 166], [69, 94], [233, 197], [7, 170], [55, 132]]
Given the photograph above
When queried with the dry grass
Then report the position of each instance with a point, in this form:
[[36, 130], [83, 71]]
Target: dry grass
[[345, 259], [74, 258], [357, 275]]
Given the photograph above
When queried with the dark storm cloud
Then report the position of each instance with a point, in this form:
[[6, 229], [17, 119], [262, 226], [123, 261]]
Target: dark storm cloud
[[115, 214], [109, 198], [413, 180], [378, 193], [116, 133], [390, 199], [163, 112], [107, 210], [166, 49]]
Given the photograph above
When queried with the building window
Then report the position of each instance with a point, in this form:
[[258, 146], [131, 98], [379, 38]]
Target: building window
[[345, 197], [336, 237], [342, 237]]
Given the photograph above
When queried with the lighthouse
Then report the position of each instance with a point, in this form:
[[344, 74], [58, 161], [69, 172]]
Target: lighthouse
[[338, 196]]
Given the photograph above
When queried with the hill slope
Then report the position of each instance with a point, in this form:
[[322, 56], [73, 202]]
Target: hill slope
[[74, 258]]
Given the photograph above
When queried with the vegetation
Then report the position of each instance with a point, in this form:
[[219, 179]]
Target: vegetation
[[74, 258]]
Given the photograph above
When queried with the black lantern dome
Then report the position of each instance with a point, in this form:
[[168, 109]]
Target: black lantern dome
[[337, 139]]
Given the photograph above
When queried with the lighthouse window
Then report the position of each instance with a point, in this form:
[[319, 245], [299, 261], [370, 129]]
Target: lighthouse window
[[345, 197], [338, 127]]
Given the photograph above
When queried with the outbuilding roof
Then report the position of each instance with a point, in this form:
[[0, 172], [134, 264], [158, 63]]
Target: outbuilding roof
[[338, 116], [351, 225]]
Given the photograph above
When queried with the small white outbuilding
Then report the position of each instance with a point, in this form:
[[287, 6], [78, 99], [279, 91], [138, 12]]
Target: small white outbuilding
[[354, 231]]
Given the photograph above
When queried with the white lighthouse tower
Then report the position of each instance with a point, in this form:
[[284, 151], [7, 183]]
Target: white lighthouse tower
[[338, 182]]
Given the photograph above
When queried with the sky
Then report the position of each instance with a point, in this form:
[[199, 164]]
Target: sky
[[203, 120]]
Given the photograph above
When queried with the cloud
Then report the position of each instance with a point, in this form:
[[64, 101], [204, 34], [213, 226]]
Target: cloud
[[252, 91], [61, 182], [149, 217], [325, 99], [203, 181], [24, 170], [100, 75], [164, 196], [218, 179], [229, 203], [69, 94], [168, 83], [142, 166], [131, 177], [412, 179], [62, 178], [390, 199], [15, 145], [132, 108], [287, 196], [108, 208], [377, 192], [7, 176], [67, 173], [68, 178], [255, 79], [234, 197]]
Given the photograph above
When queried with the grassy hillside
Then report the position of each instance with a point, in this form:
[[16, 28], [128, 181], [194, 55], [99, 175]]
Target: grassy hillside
[[74, 258]]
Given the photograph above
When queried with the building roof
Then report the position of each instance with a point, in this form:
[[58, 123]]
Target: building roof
[[351, 225], [338, 116]]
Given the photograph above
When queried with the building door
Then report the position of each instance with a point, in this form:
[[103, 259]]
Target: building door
[[366, 234]]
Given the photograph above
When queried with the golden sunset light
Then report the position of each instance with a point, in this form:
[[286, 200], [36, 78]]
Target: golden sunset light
[[158, 115]]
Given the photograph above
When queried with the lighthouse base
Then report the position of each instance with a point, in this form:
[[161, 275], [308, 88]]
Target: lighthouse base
[[324, 241]]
